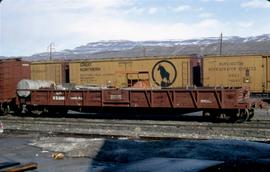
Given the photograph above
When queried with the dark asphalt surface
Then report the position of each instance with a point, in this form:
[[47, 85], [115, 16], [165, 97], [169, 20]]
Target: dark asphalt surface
[[131, 155]]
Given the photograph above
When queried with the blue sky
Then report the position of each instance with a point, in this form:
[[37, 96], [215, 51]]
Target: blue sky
[[29, 26]]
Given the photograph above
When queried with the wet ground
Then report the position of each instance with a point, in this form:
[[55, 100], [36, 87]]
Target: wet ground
[[81, 154]]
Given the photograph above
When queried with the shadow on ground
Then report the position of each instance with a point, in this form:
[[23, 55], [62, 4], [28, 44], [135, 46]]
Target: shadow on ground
[[158, 115], [206, 155]]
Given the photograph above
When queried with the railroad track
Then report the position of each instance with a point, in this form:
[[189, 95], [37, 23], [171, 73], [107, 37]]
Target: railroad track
[[82, 121], [255, 130]]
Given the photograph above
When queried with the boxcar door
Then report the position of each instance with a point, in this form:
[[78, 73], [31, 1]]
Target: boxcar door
[[123, 67], [267, 71]]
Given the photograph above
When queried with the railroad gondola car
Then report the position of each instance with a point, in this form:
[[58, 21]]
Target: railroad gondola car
[[234, 104]]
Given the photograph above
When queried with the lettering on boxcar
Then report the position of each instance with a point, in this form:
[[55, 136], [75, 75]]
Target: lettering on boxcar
[[85, 64], [231, 64], [88, 67], [206, 101], [58, 97], [76, 98], [91, 69], [213, 69], [247, 68], [116, 97], [59, 93], [234, 75]]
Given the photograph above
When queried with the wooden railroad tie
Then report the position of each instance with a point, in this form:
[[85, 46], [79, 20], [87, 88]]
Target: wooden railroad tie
[[17, 166]]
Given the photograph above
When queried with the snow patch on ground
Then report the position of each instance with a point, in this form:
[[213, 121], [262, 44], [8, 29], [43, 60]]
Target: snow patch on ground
[[122, 151], [73, 147], [1, 127]]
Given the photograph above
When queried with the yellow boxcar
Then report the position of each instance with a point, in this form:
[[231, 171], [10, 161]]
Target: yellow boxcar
[[252, 71], [48, 70], [173, 71]]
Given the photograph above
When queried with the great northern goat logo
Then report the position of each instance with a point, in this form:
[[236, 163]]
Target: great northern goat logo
[[164, 73]]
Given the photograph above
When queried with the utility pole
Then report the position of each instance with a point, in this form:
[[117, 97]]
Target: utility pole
[[51, 48], [144, 51], [220, 44]]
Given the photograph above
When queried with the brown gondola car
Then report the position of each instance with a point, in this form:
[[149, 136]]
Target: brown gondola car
[[11, 72], [233, 103]]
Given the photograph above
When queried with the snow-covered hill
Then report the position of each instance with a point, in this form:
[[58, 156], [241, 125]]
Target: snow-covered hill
[[125, 48]]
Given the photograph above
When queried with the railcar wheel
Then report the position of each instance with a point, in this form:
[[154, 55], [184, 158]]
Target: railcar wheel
[[243, 115], [4, 110], [1, 111], [251, 114], [210, 115], [224, 116], [206, 114], [29, 110], [61, 112], [36, 112], [214, 116], [7, 110]]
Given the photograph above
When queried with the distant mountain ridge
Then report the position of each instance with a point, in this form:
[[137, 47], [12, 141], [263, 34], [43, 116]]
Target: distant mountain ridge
[[125, 48]]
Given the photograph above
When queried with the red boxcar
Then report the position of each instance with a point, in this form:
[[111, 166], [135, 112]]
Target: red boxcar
[[11, 72]]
